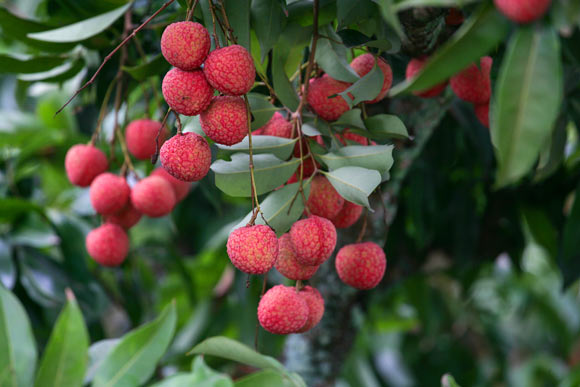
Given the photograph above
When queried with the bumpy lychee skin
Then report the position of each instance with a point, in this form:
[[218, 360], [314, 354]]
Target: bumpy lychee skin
[[288, 265], [154, 196], [347, 136], [319, 92], [108, 244], [523, 11], [278, 126], [348, 215], [181, 188], [473, 84], [314, 239], [126, 218], [186, 157], [253, 249], [186, 92], [413, 67], [140, 136], [323, 199], [226, 120], [364, 63], [109, 193], [230, 70], [83, 163], [482, 113], [282, 311], [185, 45], [361, 265], [315, 304]]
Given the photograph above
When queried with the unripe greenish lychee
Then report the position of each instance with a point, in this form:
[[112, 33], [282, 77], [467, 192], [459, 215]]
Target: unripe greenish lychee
[[348, 215], [109, 193], [253, 249], [153, 196], [186, 92], [523, 11], [288, 265], [282, 311], [126, 218], [415, 66], [185, 44], [361, 265], [277, 126], [186, 157], [83, 163], [225, 120], [473, 84], [364, 63], [140, 136], [108, 244], [314, 239], [315, 304], [324, 200], [181, 188], [230, 70], [319, 97]]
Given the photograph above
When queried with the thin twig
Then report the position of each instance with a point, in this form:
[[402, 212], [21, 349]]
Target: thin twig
[[103, 111], [213, 18], [191, 10], [363, 228], [255, 201], [163, 122]]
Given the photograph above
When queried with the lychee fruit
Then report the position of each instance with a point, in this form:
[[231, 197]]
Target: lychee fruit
[[348, 215], [288, 265], [186, 156], [253, 249], [314, 239], [282, 311], [126, 218], [181, 188], [523, 11], [482, 113], [153, 196], [230, 70], [315, 304], [364, 63], [185, 45], [319, 97], [108, 244], [186, 92], [413, 67], [225, 120], [347, 136], [140, 136], [473, 83], [361, 265], [323, 199], [278, 126], [109, 193], [83, 163]]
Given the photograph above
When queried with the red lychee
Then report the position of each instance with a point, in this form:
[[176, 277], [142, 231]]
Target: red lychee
[[186, 92], [364, 63], [126, 218], [415, 65], [226, 120], [314, 239], [282, 311], [323, 199], [288, 265], [186, 157], [154, 196], [108, 244], [185, 44], [482, 113], [278, 126], [523, 11], [319, 92], [109, 193], [181, 188], [253, 249], [230, 70], [83, 163], [361, 265], [348, 215], [315, 304], [473, 83], [347, 136], [140, 136]]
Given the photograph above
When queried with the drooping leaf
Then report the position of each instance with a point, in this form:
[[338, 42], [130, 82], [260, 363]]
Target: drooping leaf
[[278, 146], [58, 74], [98, 352], [264, 378], [377, 157], [365, 89], [268, 20], [262, 109], [18, 65], [238, 12], [386, 126], [200, 376], [569, 260], [354, 184], [282, 85], [331, 57], [406, 4]]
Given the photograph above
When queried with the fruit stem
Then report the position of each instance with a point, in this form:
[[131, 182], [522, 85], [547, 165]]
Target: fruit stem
[[228, 28], [256, 210], [213, 18], [299, 285], [190, 10], [363, 228], [156, 154], [257, 322]]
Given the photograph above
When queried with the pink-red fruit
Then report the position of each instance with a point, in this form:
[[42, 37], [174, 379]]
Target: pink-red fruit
[[186, 92], [287, 263], [346, 137], [523, 11], [319, 92], [108, 244], [473, 84], [153, 196], [230, 70], [315, 304], [83, 163], [282, 311], [314, 239], [225, 120], [140, 136], [361, 265], [253, 249], [186, 157], [181, 188], [109, 193], [126, 218], [348, 215], [364, 63], [323, 199], [185, 45], [413, 67], [482, 113], [277, 127]]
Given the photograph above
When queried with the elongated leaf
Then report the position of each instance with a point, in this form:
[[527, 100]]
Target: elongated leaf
[[264, 378], [155, 66], [262, 109], [529, 93], [331, 57], [378, 157], [350, 119], [133, 360], [365, 89], [355, 184], [17, 345], [569, 260], [7, 269], [82, 30], [58, 74], [200, 376], [238, 12], [282, 85], [98, 352], [65, 358], [278, 146], [406, 4], [16, 65], [354, 38], [268, 21], [386, 126]]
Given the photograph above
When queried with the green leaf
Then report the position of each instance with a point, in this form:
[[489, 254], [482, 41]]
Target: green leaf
[[354, 38], [82, 30], [238, 12], [331, 57], [268, 20], [233, 177], [58, 74], [201, 376], [282, 85], [553, 154], [16, 65], [406, 4], [365, 89], [65, 358], [377, 157], [528, 97], [262, 109], [477, 36], [386, 126], [156, 66], [17, 346], [133, 360], [354, 184], [390, 15], [266, 378], [448, 381], [569, 260], [7, 269], [280, 147], [98, 352]]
